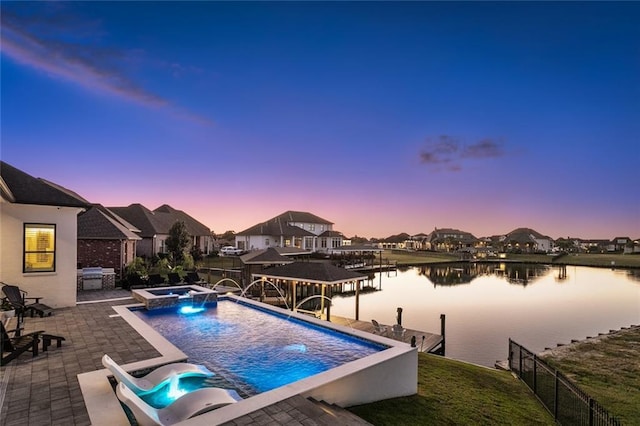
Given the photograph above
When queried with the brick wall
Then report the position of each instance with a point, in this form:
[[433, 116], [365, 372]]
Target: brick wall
[[104, 253]]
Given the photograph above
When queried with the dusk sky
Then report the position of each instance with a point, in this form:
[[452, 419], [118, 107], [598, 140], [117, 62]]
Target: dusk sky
[[381, 117]]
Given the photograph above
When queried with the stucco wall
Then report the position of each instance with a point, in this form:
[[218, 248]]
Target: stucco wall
[[57, 289]]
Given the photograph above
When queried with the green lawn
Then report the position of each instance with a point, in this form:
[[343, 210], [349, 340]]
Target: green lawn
[[455, 393], [607, 369]]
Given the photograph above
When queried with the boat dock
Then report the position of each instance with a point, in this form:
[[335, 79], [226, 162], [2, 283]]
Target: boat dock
[[425, 341]]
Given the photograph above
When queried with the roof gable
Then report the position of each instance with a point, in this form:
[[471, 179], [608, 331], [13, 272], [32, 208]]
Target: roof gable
[[319, 272], [98, 223], [22, 188]]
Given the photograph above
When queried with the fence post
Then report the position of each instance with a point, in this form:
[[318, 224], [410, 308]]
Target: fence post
[[520, 361], [535, 374], [510, 357], [591, 407], [555, 395]]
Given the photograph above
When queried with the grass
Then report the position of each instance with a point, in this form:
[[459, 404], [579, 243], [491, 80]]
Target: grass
[[583, 259], [607, 369], [452, 393]]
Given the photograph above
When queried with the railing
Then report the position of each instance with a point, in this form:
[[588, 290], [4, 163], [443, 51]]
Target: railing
[[568, 404]]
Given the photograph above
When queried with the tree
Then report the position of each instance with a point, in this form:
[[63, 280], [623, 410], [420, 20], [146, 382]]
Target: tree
[[178, 242]]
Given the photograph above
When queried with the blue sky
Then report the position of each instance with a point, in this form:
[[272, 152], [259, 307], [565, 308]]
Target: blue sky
[[383, 117]]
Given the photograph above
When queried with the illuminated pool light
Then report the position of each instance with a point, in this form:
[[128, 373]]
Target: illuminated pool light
[[191, 309], [296, 347]]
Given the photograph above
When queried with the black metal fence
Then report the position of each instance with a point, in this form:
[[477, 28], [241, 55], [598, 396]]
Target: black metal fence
[[569, 404]]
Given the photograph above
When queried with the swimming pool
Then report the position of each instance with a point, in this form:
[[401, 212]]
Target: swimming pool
[[383, 374], [254, 349]]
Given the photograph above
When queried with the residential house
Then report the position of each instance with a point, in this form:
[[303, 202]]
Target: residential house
[[106, 240], [620, 245], [154, 228], [417, 242], [526, 240], [38, 236], [398, 241], [291, 229], [451, 240]]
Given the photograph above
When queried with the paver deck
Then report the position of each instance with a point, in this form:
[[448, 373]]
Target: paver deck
[[44, 390]]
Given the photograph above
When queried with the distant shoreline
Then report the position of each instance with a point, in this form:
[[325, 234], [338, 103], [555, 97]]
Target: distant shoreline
[[613, 261]]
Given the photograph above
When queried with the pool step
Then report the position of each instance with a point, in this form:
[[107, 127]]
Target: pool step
[[336, 415]]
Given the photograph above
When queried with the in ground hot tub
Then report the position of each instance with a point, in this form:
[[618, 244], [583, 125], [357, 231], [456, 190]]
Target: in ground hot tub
[[164, 297]]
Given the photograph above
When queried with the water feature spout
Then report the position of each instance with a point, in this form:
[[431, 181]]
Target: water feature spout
[[284, 299], [316, 296]]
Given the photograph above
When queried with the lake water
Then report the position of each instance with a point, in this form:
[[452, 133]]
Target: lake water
[[538, 306]]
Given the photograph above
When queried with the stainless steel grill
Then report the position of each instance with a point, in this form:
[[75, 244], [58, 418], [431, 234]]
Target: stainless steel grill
[[92, 278]]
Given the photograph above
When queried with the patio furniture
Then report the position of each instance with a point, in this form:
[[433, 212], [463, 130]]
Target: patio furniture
[[15, 346], [155, 379], [156, 280], [18, 299], [188, 405], [174, 278], [398, 331], [194, 278], [378, 329]]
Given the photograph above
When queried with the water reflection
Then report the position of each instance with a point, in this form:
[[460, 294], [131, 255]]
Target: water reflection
[[486, 304], [465, 273]]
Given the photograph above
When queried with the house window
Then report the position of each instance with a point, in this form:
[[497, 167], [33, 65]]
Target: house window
[[39, 247], [312, 227], [323, 242], [266, 242]]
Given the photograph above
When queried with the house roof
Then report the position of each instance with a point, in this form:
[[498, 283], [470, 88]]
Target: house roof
[[524, 235], [331, 234], [314, 272], [158, 221], [305, 217], [276, 227], [462, 236], [100, 224], [172, 216], [19, 187], [142, 218], [268, 256]]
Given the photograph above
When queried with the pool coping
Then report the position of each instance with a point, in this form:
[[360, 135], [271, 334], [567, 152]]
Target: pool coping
[[396, 363]]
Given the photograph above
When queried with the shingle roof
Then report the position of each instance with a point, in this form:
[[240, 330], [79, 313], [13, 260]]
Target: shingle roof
[[193, 226], [22, 188], [524, 235], [269, 256], [98, 223], [160, 220], [142, 218], [313, 272], [276, 227], [305, 217], [328, 234]]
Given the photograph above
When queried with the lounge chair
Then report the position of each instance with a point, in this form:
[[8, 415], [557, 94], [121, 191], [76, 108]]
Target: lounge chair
[[194, 278], [174, 278], [157, 378], [398, 331], [188, 405], [15, 346], [378, 329], [18, 299]]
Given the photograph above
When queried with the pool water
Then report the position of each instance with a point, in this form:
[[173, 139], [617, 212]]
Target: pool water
[[256, 350]]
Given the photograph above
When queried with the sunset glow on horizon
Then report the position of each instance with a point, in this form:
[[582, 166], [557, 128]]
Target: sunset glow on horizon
[[381, 117]]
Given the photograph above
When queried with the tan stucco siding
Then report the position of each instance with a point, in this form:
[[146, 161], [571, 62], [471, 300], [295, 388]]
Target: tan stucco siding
[[57, 289]]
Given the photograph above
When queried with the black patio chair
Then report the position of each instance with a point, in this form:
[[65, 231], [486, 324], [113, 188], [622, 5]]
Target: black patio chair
[[15, 346], [18, 300], [194, 278], [156, 280], [174, 278]]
